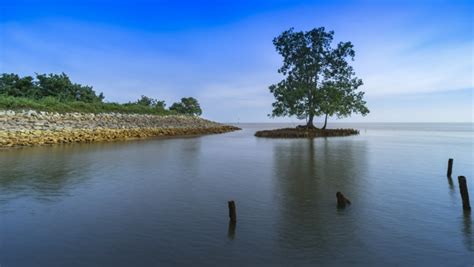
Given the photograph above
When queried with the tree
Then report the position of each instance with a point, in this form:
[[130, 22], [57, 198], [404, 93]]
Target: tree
[[13, 85], [160, 105], [188, 106], [61, 87], [151, 102], [318, 78], [146, 101]]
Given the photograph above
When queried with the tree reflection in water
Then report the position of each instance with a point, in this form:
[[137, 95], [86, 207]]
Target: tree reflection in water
[[308, 174]]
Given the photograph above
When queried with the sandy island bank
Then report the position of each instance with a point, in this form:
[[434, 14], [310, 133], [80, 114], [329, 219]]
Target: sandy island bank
[[303, 132]]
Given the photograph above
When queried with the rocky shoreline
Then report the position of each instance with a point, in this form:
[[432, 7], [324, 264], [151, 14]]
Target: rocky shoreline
[[30, 128]]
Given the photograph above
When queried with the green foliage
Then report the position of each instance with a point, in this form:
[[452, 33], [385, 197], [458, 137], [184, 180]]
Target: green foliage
[[56, 92], [52, 85], [318, 78], [145, 101], [52, 104], [14, 85], [150, 102], [188, 106]]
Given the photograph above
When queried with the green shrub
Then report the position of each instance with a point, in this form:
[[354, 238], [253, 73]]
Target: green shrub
[[52, 104], [57, 93]]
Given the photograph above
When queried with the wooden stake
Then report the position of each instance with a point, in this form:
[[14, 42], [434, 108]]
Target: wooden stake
[[232, 212], [342, 200], [464, 193], [450, 167]]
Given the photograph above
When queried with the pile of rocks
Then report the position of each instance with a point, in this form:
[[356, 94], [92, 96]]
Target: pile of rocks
[[27, 128]]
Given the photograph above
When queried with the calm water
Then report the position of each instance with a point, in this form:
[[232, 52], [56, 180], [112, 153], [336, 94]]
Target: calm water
[[164, 201]]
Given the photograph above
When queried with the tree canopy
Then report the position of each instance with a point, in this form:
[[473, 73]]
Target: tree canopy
[[188, 105], [57, 92], [318, 79], [47, 85], [150, 102]]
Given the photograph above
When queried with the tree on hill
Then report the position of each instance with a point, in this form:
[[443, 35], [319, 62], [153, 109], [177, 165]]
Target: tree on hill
[[58, 86], [61, 87], [188, 106], [47, 90], [150, 102], [13, 85], [145, 101], [318, 78]]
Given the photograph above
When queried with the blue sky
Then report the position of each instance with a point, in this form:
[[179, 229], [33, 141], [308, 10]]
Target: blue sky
[[415, 57]]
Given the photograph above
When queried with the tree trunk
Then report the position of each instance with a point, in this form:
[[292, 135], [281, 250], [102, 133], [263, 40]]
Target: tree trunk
[[325, 122], [310, 121]]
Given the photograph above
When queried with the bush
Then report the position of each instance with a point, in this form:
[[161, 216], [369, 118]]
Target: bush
[[188, 106], [56, 92], [52, 104], [51, 85]]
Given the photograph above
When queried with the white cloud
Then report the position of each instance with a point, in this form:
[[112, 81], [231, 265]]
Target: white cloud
[[396, 71]]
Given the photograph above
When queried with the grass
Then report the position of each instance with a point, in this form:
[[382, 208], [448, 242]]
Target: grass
[[305, 133], [51, 104]]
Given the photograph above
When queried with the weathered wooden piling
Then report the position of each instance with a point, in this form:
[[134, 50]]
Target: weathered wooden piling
[[232, 212], [464, 193], [342, 201], [450, 167]]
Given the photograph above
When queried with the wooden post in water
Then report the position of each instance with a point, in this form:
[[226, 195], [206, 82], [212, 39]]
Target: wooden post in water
[[464, 193], [342, 200], [232, 212], [450, 167]]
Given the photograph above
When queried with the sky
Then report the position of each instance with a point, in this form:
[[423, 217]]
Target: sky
[[416, 58]]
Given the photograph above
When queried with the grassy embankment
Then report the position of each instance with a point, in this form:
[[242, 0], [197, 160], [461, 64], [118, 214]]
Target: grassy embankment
[[51, 104]]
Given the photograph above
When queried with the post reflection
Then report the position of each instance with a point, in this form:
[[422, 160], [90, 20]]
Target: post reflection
[[231, 230], [467, 230], [451, 184]]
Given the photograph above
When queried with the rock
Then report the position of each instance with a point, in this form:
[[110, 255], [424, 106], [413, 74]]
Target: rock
[[31, 113]]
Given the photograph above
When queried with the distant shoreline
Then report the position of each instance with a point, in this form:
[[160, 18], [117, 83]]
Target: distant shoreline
[[32, 128]]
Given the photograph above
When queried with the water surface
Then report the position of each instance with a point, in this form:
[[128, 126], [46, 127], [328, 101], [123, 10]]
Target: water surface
[[164, 201]]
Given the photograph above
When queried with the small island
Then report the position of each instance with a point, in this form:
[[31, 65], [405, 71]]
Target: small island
[[318, 81], [304, 132]]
